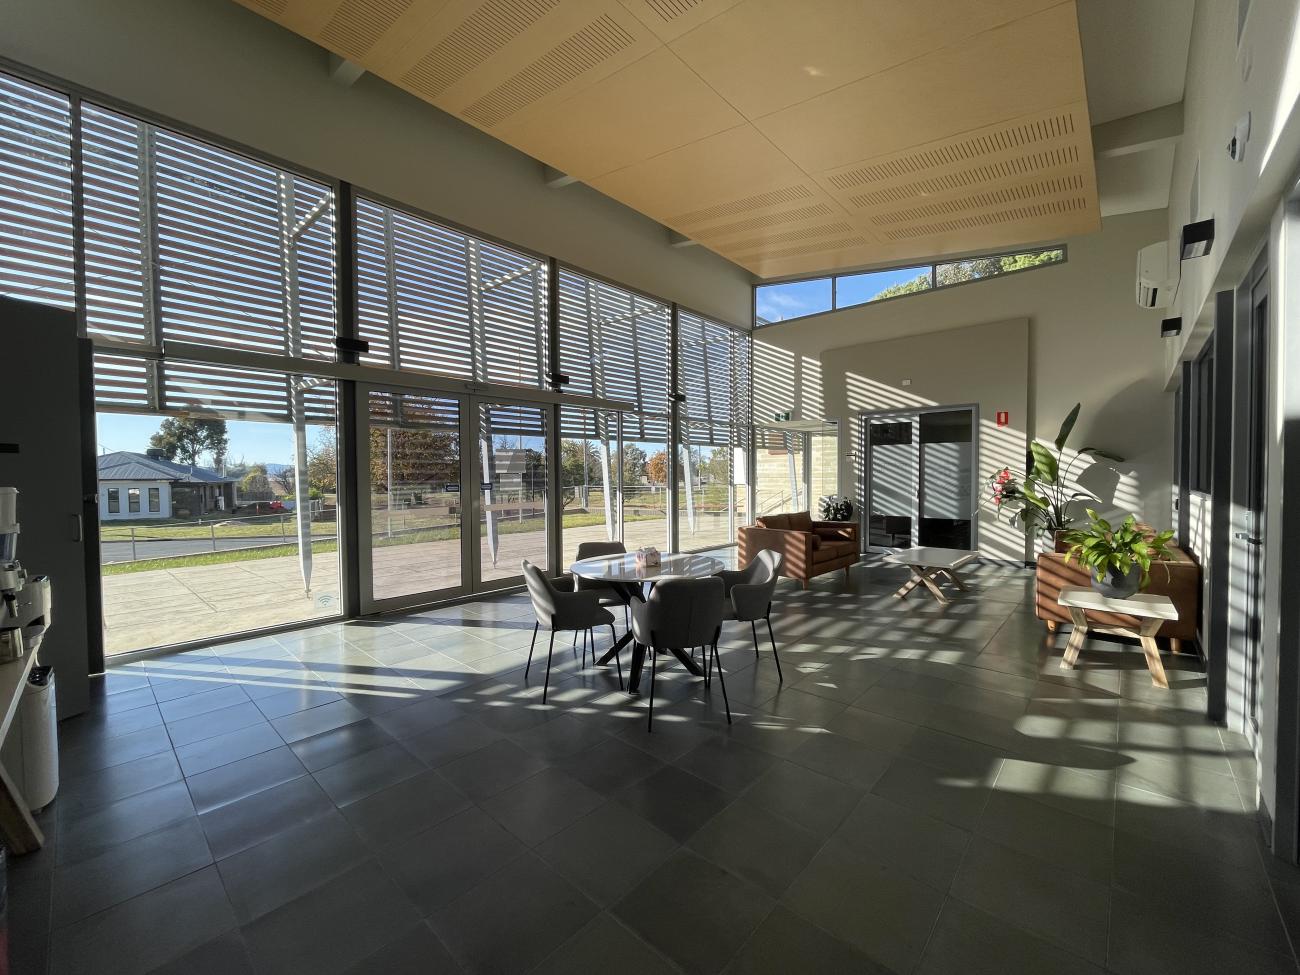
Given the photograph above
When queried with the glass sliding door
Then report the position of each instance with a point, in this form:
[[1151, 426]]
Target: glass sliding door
[[780, 477], [589, 481], [513, 516], [413, 498], [919, 480], [706, 487]]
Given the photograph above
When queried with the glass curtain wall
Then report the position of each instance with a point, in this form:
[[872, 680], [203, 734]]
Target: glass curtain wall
[[779, 481], [589, 479]]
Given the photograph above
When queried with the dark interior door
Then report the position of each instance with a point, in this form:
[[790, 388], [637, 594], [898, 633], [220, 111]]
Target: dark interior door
[[1253, 537]]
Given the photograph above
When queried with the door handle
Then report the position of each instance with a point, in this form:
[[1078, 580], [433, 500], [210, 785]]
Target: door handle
[[1248, 538]]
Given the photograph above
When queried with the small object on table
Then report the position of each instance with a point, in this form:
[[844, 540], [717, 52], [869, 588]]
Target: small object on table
[[927, 565], [647, 557], [1151, 609]]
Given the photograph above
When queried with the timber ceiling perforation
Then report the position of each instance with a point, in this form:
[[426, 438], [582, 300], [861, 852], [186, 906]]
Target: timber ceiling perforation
[[789, 137]]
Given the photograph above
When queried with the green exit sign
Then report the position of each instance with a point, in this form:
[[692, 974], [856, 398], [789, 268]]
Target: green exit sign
[[783, 417]]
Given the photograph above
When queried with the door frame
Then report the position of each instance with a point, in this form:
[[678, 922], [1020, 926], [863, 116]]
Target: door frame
[[864, 419]]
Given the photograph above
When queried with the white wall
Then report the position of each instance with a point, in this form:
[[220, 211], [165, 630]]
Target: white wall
[[221, 68], [1087, 342], [124, 512]]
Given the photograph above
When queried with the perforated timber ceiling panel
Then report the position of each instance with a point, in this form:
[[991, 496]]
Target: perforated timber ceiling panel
[[791, 138]]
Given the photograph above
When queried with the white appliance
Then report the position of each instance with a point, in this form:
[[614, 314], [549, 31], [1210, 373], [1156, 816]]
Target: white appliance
[[1155, 284], [31, 749]]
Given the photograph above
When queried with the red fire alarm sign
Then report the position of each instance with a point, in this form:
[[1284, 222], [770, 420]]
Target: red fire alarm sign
[[1004, 417]]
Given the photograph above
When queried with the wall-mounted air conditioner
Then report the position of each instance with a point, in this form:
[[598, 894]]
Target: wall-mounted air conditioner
[[1155, 285]]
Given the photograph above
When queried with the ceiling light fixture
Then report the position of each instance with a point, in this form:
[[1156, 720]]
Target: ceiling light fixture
[[1169, 327]]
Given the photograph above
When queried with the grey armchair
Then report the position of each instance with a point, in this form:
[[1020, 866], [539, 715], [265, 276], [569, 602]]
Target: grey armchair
[[558, 607], [680, 613], [609, 596], [749, 596]]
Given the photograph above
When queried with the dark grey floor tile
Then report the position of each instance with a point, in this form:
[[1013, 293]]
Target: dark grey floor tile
[[102, 724], [605, 945], [564, 736], [203, 756], [418, 718], [852, 762], [451, 741], [1053, 835], [492, 769], [246, 777], [406, 808], [223, 955], [967, 941], [212, 723], [101, 753], [81, 837], [333, 927], [933, 791], [610, 766], [249, 821], [923, 847], [1059, 906], [806, 798], [201, 698], [289, 864], [1146, 938], [128, 869], [128, 939], [694, 912], [331, 747], [786, 943], [875, 907], [79, 794], [417, 952], [728, 764], [1089, 793], [294, 699], [1219, 896], [528, 901], [607, 852], [752, 843], [441, 863], [363, 775], [314, 721], [542, 805], [675, 802]]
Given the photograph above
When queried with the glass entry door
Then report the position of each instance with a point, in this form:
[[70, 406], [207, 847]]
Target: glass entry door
[[413, 506], [919, 482], [512, 502]]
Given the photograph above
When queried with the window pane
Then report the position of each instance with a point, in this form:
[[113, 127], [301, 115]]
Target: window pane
[[706, 486], [779, 472], [977, 268], [794, 299], [588, 479], [200, 566], [644, 459], [114, 501], [858, 289]]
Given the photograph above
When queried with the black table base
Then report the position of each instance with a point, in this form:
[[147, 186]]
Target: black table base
[[633, 591]]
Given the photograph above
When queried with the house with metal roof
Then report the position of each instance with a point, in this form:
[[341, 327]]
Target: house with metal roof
[[148, 485]]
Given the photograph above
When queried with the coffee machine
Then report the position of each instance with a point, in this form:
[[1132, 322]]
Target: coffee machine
[[24, 599]]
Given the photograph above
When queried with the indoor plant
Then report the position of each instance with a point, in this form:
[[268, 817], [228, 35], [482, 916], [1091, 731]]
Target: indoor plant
[[1041, 499], [1118, 559]]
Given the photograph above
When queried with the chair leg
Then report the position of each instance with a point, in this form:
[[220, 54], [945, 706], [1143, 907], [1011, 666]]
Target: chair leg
[[549, 649], [650, 714], [779, 676], [617, 663], [753, 626], [723, 682], [536, 627]]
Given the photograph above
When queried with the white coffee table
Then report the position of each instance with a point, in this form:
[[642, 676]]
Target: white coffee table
[[1151, 609], [927, 565]]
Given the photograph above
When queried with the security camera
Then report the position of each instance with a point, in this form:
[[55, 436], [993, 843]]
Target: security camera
[[1240, 135]]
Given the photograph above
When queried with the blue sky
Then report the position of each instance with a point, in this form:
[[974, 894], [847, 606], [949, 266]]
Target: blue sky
[[797, 298], [270, 443]]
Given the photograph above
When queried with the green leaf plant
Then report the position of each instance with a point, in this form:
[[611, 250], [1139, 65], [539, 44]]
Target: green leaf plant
[[1104, 549], [1040, 499]]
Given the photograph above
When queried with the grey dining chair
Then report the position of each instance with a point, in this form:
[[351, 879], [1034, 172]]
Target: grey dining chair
[[559, 607], [680, 613], [609, 596], [749, 596]]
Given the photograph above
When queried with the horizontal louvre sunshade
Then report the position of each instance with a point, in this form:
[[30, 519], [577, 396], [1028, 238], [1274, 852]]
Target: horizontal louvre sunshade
[[190, 242], [413, 411], [35, 194], [432, 299], [614, 345], [513, 421], [203, 389]]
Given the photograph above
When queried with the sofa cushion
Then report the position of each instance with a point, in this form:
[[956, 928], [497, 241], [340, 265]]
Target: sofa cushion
[[779, 522], [831, 551], [800, 521]]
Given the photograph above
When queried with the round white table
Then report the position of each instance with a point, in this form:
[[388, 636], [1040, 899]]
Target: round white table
[[622, 574]]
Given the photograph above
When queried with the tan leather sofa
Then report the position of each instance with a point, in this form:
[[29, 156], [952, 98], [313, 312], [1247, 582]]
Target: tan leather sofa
[[811, 548], [1181, 583]]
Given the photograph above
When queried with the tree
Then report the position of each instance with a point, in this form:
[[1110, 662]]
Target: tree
[[184, 439], [633, 461], [323, 463], [255, 481], [972, 270], [656, 468], [421, 457]]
